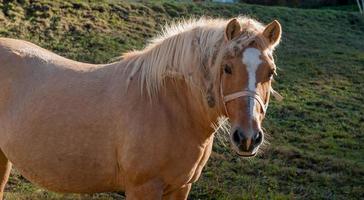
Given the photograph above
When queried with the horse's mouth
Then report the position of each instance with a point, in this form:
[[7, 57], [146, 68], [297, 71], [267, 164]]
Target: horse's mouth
[[246, 154]]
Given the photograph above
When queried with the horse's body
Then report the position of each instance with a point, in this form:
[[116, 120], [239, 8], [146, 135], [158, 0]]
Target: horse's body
[[140, 125], [71, 127]]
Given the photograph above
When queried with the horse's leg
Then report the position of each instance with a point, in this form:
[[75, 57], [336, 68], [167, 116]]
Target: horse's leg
[[180, 194], [5, 167], [152, 190]]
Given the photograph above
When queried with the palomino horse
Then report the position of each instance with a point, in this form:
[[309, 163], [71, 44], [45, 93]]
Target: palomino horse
[[140, 125]]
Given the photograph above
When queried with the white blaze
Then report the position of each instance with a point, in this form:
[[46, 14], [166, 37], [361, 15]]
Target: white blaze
[[251, 58]]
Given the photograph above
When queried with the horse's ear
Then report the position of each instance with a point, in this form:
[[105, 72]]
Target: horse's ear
[[273, 32], [232, 29]]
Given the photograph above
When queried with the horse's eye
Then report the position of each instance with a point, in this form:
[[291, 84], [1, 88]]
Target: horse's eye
[[227, 69]]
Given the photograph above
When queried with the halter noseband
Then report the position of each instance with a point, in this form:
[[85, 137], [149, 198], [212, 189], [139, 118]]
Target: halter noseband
[[245, 93], [248, 93], [242, 93]]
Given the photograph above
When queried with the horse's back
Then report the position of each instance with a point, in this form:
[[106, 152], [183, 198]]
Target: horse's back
[[27, 70], [16, 51]]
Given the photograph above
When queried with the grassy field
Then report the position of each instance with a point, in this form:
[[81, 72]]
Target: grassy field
[[316, 134]]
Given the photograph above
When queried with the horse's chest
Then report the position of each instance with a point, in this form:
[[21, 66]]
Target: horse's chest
[[202, 162], [191, 170]]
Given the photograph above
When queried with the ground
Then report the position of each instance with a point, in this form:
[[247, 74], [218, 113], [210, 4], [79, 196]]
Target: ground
[[316, 133]]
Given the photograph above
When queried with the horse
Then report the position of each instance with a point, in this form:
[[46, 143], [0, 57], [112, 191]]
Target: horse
[[142, 124]]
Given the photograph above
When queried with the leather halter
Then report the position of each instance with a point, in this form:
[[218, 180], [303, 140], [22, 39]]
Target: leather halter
[[246, 93], [242, 93]]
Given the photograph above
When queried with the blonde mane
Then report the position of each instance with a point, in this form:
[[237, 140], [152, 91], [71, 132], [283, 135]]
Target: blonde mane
[[189, 49]]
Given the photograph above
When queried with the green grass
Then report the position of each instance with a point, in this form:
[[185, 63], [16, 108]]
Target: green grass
[[316, 133]]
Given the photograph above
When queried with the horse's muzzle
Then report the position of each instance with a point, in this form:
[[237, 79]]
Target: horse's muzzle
[[246, 146]]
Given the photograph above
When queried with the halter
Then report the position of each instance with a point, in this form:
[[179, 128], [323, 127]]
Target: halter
[[247, 93]]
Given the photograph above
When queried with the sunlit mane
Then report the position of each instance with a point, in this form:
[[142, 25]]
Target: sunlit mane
[[189, 49]]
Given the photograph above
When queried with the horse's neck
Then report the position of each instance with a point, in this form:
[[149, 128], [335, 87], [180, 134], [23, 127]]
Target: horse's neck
[[179, 96], [183, 101]]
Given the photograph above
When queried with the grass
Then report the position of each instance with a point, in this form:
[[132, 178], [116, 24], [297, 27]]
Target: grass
[[316, 134]]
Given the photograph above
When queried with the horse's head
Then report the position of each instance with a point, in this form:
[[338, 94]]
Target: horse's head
[[246, 76]]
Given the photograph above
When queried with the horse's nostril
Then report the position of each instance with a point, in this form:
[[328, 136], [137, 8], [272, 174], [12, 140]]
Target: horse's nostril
[[258, 138], [236, 137]]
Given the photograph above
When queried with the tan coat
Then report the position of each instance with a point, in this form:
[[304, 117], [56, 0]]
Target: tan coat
[[71, 127], [141, 125]]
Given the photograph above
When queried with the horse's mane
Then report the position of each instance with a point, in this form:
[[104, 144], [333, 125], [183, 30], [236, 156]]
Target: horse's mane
[[187, 49]]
